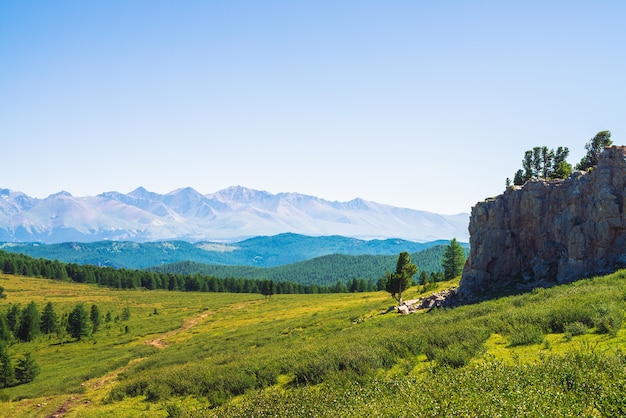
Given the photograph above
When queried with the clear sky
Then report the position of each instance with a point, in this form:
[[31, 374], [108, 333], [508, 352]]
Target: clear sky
[[428, 105]]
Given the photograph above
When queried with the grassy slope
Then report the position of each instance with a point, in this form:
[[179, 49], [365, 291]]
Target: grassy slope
[[327, 355]]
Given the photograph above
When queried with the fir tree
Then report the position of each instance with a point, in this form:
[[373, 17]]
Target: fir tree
[[453, 260], [7, 372], [95, 317], [399, 281], [29, 323], [26, 369], [78, 322], [49, 319]]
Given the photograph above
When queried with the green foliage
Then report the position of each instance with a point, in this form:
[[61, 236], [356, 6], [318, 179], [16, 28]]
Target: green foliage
[[336, 355], [13, 318], [7, 372], [575, 329], [608, 319], [78, 322], [29, 323], [594, 148], [2, 294], [400, 280], [6, 335], [453, 260], [268, 287], [526, 335], [49, 319], [95, 317], [265, 251], [571, 385], [26, 369], [126, 313], [541, 162]]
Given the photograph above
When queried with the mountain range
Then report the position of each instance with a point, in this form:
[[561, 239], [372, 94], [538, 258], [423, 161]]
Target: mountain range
[[232, 214], [273, 251]]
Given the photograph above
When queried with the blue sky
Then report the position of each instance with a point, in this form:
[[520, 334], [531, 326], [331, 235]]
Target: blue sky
[[426, 105]]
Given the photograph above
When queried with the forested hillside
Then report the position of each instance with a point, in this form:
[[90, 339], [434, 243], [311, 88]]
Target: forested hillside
[[262, 251], [321, 271]]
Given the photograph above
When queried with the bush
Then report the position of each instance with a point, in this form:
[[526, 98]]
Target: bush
[[608, 319], [574, 329], [455, 355], [526, 336]]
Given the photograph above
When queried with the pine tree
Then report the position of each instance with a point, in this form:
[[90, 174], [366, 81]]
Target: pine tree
[[399, 281], [26, 369], [5, 332], [7, 372], [78, 322], [13, 318], [29, 323], [594, 147], [49, 319], [453, 260], [95, 317]]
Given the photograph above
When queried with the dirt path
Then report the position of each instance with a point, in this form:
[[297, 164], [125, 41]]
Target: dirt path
[[159, 342], [103, 382]]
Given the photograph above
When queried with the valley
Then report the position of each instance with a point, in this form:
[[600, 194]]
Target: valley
[[219, 354]]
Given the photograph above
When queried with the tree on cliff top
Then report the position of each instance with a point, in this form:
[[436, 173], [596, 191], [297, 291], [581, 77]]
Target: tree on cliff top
[[399, 281], [594, 147], [541, 162]]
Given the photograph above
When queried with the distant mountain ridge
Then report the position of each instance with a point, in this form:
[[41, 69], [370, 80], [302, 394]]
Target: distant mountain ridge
[[231, 214], [266, 251]]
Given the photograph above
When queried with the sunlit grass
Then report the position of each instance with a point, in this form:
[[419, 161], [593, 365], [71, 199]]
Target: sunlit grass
[[234, 354]]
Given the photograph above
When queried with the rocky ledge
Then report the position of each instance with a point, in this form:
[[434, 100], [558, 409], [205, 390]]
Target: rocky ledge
[[549, 232]]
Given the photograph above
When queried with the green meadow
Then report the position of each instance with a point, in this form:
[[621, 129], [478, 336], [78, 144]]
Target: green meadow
[[549, 352]]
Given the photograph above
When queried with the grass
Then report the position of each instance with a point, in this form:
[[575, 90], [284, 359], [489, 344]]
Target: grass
[[329, 355]]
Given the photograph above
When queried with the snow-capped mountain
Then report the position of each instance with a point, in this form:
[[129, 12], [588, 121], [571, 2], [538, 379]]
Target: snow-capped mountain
[[230, 214]]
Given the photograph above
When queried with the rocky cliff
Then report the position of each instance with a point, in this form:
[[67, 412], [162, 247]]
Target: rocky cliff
[[549, 232]]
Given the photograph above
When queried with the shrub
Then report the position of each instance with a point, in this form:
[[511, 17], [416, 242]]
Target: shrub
[[526, 335], [608, 319], [455, 355], [574, 329]]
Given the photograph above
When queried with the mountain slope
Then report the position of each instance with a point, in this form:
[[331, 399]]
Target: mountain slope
[[232, 214], [321, 271], [259, 251]]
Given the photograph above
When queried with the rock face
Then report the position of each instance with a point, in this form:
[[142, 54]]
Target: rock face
[[550, 231]]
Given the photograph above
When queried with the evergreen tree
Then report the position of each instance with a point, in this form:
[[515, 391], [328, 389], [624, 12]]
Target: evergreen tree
[[268, 288], [5, 332], [594, 147], [26, 369], [399, 281], [13, 318], [126, 313], [78, 322], [9, 266], [95, 317], [29, 323], [49, 319], [541, 162], [453, 260], [7, 372]]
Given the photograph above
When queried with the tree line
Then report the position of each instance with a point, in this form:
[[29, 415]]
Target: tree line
[[544, 163], [14, 263]]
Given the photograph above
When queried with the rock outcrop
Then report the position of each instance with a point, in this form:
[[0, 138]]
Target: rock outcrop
[[436, 300], [549, 232]]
